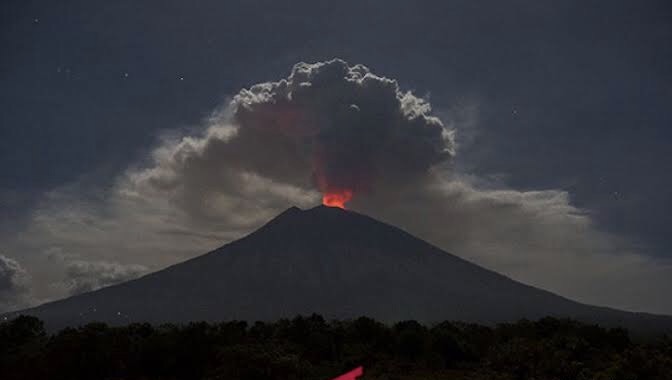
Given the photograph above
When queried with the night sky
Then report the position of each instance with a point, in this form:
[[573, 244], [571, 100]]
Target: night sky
[[574, 96]]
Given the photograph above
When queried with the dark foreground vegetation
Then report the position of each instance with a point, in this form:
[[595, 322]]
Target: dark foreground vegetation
[[312, 348]]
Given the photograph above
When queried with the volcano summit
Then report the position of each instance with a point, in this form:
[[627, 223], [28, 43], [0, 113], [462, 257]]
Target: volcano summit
[[334, 262]]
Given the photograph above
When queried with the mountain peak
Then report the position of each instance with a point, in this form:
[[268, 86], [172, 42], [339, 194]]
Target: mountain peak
[[318, 208], [323, 221], [327, 210], [313, 214], [334, 262]]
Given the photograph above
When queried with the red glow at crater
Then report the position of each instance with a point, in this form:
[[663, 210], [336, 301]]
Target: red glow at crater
[[336, 198]]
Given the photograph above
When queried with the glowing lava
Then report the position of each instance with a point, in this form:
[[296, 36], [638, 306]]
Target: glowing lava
[[337, 198]]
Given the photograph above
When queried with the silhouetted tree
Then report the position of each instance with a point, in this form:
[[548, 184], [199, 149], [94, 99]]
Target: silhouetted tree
[[309, 347]]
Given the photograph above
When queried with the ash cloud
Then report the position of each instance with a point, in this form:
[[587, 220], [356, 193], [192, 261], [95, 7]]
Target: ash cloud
[[331, 125], [327, 126], [351, 126]]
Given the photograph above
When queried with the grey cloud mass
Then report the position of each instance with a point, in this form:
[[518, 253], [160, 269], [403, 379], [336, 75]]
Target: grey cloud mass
[[330, 125], [350, 126], [84, 276], [537, 237], [14, 282]]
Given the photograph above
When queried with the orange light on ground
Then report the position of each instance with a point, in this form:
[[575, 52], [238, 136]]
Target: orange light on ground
[[352, 375]]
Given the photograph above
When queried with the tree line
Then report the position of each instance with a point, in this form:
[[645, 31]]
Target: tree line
[[309, 347]]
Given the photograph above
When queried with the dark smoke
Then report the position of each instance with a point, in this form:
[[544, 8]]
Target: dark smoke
[[355, 128]]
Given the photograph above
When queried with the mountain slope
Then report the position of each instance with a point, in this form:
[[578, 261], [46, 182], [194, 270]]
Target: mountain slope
[[334, 262]]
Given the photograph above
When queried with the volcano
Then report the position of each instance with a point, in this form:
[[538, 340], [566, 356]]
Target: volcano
[[333, 262]]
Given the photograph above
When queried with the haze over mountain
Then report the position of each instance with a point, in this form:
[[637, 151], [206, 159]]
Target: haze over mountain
[[334, 262]]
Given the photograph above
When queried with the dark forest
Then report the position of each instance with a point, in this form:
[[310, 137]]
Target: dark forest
[[312, 348]]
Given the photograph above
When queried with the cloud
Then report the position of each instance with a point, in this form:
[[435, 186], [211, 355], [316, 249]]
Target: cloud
[[84, 276], [329, 125], [349, 126], [14, 282], [537, 237]]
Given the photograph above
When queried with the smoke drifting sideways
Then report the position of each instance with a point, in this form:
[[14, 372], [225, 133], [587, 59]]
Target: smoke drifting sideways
[[356, 130]]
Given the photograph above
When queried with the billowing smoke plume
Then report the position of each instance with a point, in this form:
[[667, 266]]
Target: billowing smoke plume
[[352, 127], [329, 130]]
